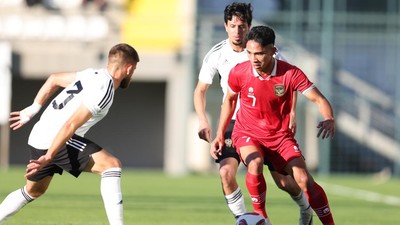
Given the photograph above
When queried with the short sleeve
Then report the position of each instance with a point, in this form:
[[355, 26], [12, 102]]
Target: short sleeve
[[98, 92], [233, 81], [301, 82], [208, 69]]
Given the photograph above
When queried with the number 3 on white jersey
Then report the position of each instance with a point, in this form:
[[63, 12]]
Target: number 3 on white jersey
[[78, 89]]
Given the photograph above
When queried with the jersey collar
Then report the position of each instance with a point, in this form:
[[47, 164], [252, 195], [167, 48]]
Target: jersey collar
[[273, 73]]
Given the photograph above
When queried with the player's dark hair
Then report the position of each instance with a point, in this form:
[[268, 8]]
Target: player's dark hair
[[263, 35], [242, 10], [127, 52]]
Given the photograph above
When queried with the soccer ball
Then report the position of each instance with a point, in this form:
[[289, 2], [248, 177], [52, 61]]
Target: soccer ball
[[251, 219]]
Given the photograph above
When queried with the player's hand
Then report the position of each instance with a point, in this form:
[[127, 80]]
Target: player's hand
[[205, 132], [326, 129], [35, 165], [20, 118], [216, 147]]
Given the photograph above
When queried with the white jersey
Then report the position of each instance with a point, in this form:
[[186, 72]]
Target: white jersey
[[93, 88], [220, 60]]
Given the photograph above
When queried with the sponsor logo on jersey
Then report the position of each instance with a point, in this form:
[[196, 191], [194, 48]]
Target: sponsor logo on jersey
[[251, 91]]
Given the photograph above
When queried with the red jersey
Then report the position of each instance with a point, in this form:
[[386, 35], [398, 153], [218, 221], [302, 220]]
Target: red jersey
[[265, 102]]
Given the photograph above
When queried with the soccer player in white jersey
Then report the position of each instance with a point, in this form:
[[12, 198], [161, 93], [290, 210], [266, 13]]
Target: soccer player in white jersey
[[57, 140], [220, 60]]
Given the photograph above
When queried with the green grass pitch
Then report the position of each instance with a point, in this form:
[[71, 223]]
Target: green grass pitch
[[151, 197]]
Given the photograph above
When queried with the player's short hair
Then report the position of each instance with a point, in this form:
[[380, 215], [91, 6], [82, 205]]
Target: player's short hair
[[242, 10], [123, 52], [263, 35]]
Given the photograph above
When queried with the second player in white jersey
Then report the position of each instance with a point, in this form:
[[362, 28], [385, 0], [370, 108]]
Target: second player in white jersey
[[220, 60]]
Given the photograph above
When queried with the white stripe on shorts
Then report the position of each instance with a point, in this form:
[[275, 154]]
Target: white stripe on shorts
[[79, 145]]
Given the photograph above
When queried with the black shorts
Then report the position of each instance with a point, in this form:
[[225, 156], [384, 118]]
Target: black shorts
[[228, 151], [73, 157]]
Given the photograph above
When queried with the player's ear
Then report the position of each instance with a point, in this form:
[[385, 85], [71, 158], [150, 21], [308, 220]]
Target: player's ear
[[129, 69], [274, 49]]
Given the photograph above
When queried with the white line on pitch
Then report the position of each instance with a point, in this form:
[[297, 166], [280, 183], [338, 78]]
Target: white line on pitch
[[361, 194]]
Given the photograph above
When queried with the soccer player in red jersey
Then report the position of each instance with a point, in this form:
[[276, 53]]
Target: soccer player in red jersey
[[220, 59], [266, 86]]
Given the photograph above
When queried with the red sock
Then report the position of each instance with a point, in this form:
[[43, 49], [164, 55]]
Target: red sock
[[319, 202], [257, 188]]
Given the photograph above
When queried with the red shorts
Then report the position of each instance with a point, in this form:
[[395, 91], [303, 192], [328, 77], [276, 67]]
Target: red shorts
[[279, 151]]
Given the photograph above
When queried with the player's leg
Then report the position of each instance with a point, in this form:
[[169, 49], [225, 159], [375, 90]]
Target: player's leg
[[17, 199], [316, 194], [81, 154], [289, 185], [228, 165], [232, 192], [109, 167], [255, 181], [34, 188]]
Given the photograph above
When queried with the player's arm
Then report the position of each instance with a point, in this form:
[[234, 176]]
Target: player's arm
[[227, 111], [78, 118], [292, 121], [326, 127], [199, 99], [52, 84]]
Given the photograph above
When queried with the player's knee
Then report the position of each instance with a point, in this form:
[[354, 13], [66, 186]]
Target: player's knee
[[227, 174], [105, 163], [106, 160], [255, 165], [114, 162]]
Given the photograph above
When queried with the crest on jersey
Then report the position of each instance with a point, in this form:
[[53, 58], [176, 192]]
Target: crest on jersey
[[228, 142], [279, 90]]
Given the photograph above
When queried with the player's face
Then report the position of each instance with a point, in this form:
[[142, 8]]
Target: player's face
[[261, 58], [236, 30]]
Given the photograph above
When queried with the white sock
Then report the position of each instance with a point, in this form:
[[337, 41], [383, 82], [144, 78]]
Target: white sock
[[13, 203], [110, 188], [301, 201], [235, 203]]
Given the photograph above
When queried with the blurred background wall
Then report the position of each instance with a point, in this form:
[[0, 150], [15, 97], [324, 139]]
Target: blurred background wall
[[349, 48]]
